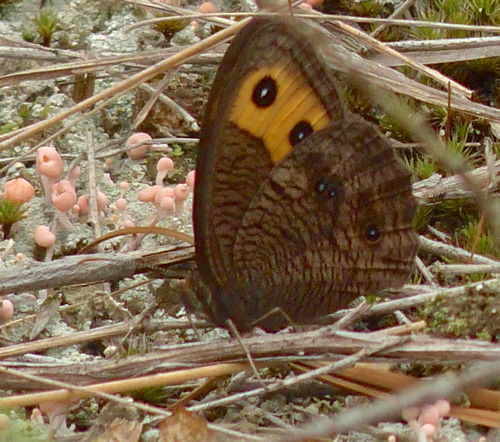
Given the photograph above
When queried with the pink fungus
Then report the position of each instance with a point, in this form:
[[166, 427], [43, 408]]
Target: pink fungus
[[50, 167], [191, 179], [6, 310], [138, 153], [121, 204], [166, 206], [49, 162], [181, 193], [63, 195], [207, 8], [64, 198], [162, 193], [83, 204], [163, 166], [147, 195], [18, 190], [44, 237]]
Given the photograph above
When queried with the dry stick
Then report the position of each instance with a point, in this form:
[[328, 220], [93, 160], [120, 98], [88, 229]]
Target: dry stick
[[160, 96], [158, 380], [381, 47], [445, 386], [146, 230], [104, 332], [93, 209], [343, 363], [453, 252], [125, 85], [416, 126], [88, 392], [62, 131], [429, 295], [426, 273], [375, 382], [322, 17], [448, 116], [396, 14], [437, 188], [464, 269], [146, 108]]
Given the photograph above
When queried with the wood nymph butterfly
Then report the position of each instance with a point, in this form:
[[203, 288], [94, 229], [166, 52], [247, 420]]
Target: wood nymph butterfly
[[298, 203]]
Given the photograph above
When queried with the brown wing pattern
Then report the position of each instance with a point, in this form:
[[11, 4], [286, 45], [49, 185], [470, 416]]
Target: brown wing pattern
[[238, 137], [297, 204], [332, 222]]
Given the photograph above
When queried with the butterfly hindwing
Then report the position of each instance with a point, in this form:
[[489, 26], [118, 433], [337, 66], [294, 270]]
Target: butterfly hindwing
[[333, 221]]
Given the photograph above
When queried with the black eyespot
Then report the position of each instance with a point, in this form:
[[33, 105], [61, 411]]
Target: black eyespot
[[330, 189], [265, 92], [372, 232], [300, 132]]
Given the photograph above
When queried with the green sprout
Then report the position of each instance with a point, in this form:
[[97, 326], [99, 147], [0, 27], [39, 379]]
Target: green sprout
[[46, 23], [10, 213]]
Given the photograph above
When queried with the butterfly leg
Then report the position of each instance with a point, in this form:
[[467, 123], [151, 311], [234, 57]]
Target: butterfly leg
[[235, 333]]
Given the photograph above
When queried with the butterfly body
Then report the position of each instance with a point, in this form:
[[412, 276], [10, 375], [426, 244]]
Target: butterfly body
[[298, 204]]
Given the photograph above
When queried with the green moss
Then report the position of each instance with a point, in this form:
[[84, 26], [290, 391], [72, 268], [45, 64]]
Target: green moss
[[46, 24], [474, 314], [10, 213], [8, 127], [23, 430]]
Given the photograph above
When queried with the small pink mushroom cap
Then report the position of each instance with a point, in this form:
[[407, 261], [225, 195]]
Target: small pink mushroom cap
[[121, 204], [429, 415], [429, 430], [6, 310], [443, 407], [207, 8], [63, 195], [162, 193], [128, 223], [410, 413], [164, 163], [124, 185], [44, 237], [163, 166], [147, 195], [167, 205], [83, 204], [191, 179], [49, 162], [102, 201], [181, 192], [140, 152], [18, 190]]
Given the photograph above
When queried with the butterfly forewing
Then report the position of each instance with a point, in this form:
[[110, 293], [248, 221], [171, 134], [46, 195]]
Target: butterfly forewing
[[246, 131]]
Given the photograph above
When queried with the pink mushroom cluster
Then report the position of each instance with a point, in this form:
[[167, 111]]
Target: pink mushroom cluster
[[426, 421], [167, 200]]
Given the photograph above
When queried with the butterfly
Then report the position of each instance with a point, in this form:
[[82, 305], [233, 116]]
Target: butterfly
[[299, 205]]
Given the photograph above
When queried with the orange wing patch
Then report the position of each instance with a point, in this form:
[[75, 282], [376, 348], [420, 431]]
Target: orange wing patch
[[295, 101]]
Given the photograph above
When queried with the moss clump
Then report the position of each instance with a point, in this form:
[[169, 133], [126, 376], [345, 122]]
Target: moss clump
[[10, 213], [475, 314], [46, 24]]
